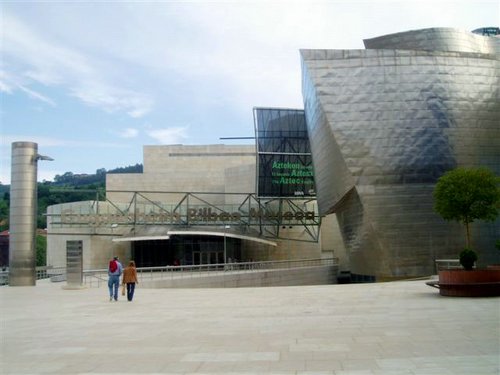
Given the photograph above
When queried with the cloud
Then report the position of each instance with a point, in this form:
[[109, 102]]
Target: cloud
[[37, 96], [227, 56], [112, 99], [168, 136], [6, 82], [7, 139], [129, 133], [40, 60], [5, 88], [4, 85], [10, 83]]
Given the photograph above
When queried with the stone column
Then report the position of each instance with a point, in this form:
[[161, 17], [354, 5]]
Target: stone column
[[23, 207]]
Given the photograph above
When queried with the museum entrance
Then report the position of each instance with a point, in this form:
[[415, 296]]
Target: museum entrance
[[208, 257], [186, 250]]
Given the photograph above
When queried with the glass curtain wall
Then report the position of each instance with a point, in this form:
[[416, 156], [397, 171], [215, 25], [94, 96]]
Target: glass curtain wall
[[284, 162]]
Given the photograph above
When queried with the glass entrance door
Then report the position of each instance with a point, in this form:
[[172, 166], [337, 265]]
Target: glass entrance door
[[208, 257], [196, 250]]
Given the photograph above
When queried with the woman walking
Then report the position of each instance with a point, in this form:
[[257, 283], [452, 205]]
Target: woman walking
[[130, 279]]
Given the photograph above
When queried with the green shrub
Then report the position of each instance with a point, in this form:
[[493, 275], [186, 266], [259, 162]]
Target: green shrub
[[41, 250], [467, 258]]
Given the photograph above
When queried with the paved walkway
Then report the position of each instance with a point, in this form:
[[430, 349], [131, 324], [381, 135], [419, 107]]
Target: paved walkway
[[383, 328]]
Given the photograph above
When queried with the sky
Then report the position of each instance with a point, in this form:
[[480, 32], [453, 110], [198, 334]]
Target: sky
[[92, 82]]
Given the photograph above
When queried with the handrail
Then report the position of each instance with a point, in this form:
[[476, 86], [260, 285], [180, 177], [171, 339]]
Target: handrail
[[446, 264], [42, 272], [46, 272], [96, 277], [162, 272]]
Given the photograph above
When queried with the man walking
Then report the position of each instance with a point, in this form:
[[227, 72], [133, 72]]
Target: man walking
[[114, 271]]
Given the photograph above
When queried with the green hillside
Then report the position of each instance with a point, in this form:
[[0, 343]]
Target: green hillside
[[68, 187]]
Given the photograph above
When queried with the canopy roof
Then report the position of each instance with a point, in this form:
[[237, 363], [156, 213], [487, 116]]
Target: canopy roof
[[160, 232]]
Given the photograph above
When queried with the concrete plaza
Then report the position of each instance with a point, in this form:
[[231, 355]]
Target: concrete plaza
[[384, 328]]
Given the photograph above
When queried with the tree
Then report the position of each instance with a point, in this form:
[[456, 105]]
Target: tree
[[465, 195], [4, 211], [41, 250]]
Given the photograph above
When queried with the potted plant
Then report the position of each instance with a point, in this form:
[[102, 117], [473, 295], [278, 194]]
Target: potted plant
[[467, 259], [466, 195]]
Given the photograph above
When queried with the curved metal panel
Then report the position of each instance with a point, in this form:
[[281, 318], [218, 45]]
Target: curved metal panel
[[384, 125], [437, 39]]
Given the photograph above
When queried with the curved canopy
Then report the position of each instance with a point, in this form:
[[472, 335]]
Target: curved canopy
[[155, 232]]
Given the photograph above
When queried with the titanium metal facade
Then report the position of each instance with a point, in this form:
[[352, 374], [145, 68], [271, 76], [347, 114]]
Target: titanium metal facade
[[384, 124]]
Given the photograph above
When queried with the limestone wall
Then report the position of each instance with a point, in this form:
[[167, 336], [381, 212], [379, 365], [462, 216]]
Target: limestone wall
[[319, 275]]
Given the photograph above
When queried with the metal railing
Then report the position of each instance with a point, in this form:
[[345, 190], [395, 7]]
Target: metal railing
[[447, 264], [43, 272], [54, 273], [94, 278], [4, 277], [97, 277]]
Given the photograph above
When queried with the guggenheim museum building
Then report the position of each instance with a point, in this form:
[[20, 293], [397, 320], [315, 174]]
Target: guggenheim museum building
[[350, 175]]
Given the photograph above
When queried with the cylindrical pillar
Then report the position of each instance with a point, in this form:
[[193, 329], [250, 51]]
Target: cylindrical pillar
[[23, 207]]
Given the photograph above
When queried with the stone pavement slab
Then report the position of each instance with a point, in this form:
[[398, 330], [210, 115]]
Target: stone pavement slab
[[385, 328]]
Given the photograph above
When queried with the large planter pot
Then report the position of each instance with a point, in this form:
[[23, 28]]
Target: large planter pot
[[475, 283]]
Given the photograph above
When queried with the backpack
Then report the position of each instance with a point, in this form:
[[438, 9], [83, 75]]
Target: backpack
[[112, 266]]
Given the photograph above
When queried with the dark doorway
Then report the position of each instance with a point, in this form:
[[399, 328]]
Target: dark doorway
[[152, 253], [186, 250]]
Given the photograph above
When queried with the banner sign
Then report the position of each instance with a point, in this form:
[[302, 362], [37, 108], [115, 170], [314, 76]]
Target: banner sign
[[193, 216], [291, 178], [284, 161]]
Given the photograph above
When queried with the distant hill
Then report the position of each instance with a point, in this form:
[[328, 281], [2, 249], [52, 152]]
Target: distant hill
[[68, 187], [99, 177]]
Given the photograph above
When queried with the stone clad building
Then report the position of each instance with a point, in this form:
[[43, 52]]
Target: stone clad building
[[191, 205], [381, 124]]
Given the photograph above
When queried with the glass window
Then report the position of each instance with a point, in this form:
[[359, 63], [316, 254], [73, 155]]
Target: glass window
[[284, 161]]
